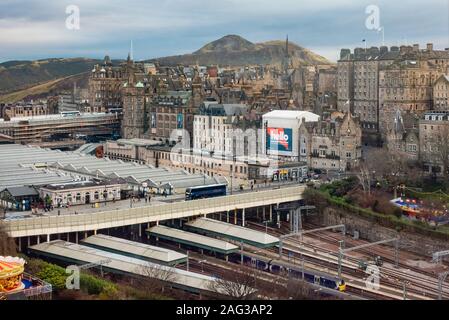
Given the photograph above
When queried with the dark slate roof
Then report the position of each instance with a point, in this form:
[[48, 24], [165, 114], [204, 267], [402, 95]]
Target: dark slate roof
[[22, 191]]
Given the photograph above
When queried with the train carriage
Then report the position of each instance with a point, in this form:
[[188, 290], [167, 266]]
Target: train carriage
[[279, 267]]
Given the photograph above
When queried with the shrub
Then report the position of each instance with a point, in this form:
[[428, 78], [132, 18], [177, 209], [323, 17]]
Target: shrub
[[93, 285], [53, 274]]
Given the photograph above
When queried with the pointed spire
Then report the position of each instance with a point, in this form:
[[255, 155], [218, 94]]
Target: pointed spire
[[286, 46], [131, 51]]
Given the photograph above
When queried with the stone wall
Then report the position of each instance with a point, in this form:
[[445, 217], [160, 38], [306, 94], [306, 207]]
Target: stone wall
[[371, 231]]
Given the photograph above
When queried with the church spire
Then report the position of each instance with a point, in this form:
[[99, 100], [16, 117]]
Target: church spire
[[130, 53]]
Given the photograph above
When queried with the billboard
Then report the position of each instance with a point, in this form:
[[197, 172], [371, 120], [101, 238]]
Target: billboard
[[279, 139]]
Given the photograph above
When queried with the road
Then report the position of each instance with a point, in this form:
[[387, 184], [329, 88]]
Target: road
[[127, 203]]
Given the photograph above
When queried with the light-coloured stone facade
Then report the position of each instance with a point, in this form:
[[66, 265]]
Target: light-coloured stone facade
[[433, 141], [441, 93], [332, 145], [26, 110], [376, 83], [81, 193], [405, 87]]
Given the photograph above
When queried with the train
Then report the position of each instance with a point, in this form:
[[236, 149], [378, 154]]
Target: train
[[279, 267], [208, 191]]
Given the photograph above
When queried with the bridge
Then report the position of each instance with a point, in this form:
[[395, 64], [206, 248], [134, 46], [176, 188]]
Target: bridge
[[50, 225]]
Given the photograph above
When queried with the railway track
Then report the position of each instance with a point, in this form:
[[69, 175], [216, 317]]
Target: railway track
[[418, 286]]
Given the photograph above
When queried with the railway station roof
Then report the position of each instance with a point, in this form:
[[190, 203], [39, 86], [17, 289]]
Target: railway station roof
[[25, 165], [116, 263], [230, 231], [193, 239], [135, 249]]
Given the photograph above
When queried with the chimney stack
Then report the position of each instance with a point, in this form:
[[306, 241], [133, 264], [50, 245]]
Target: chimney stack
[[430, 47], [416, 47]]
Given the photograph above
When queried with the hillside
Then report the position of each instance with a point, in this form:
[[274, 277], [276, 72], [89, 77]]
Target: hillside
[[236, 51], [19, 75], [43, 89]]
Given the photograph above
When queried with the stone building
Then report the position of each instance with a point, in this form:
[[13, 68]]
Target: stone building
[[433, 142], [345, 81], [170, 116], [375, 83], [332, 144], [26, 110], [441, 93], [105, 85], [134, 123], [405, 86], [86, 192], [222, 129], [403, 137], [357, 85], [327, 80]]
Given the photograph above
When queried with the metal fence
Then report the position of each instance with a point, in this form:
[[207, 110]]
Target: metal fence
[[131, 216]]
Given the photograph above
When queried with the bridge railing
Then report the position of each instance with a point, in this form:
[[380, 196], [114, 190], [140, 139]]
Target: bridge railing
[[129, 216]]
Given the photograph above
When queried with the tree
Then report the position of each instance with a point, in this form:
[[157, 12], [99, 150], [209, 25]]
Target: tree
[[390, 166], [157, 277], [238, 284], [364, 176]]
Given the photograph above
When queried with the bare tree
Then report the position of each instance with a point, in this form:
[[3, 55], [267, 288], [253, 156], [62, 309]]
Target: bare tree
[[393, 167], [238, 284], [300, 290], [157, 277], [364, 176]]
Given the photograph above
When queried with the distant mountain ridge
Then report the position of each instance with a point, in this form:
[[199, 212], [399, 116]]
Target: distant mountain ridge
[[21, 79], [234, 50]]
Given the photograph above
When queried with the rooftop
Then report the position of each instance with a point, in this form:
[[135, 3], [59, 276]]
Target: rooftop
[[193, 239], [292, 114], [136, 249], [75, 253], [234, 232], [25, 165]]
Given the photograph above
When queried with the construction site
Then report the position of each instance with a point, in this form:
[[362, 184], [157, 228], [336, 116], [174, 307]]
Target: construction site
[[67, 130]]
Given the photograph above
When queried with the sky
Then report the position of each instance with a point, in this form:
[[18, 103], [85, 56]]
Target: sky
[[37, 29]]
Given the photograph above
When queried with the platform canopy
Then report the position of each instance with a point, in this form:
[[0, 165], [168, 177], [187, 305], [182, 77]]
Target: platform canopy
[[226, 230], [193, 239]]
